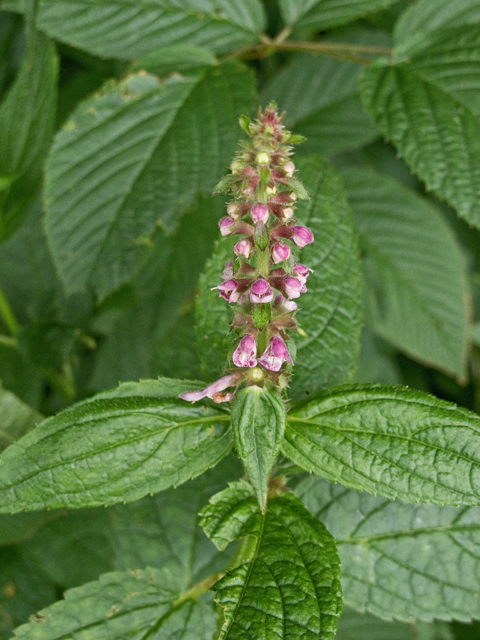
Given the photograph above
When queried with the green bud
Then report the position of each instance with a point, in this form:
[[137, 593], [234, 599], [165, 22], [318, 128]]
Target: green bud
[[246, 125]]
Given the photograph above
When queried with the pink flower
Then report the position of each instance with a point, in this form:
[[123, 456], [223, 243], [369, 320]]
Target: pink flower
[[301, 272], [280, 251], [226, 226], [288, 305], [228, 290], [289, 168], [294, 287], [243, 248], [213, 391], [245, 355], [287, 212], [275, 354], [302, 236], [259, 213], [261, 291], [228, 271]]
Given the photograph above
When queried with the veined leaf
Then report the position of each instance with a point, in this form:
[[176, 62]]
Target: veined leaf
[[258, 425], [324, 14], [126, 29], [426, 104], [16, 418], [415, 273], [401, 561], [291, 584], [331, 312], [27, 117], [117, 446], [330, 114], [425, 15], [177, 58], [120, 605], [389, 440], [127, 154]]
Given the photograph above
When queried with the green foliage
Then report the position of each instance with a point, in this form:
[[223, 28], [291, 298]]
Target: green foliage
[[325, 14], [288, 595], [389, 440], [16, 418], [258, 425], [415, 273], [118, 446], [399, 560]]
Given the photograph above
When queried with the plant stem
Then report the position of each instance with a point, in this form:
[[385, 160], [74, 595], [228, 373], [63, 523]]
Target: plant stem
[[7, 314], [8, 341]]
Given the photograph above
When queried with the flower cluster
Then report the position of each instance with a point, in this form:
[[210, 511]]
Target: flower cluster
[[263, 279]]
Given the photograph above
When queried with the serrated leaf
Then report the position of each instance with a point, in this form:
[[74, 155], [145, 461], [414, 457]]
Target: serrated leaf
[[127, 154], [258, 425], [291, 585], [126, 29], [330, 113], [390, 440], [123, 604], [331, 311], [117, 446], [177, 58], [324, 14], [425, 15], [415, 273], [27, 117], [16, 418], [430, 118], [401, 561]]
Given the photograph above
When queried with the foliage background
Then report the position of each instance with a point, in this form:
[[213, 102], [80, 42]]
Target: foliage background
[[114, 128]]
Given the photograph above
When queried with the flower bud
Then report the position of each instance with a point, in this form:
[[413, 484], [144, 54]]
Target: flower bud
[[263, 158], [287, 212], [226, 226], [301, 272], [245, 355], [234, 210], [293, 287], [228, 271], [280, 251], [284, 304], [259, 213], [261, 291], [301, 236], [229, 291], [271, 191], [289, 168], [236, 166], [243, 248], [275, 354]]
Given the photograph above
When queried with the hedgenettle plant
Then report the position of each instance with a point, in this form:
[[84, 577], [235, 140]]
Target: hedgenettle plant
[[284, 580]]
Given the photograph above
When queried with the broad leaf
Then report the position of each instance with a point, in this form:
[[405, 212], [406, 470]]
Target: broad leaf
[[389, 440], [258, 425], [27, 117], [402, 561], [330, 114], [126, 29], [130, 604], [291, 584], [331, 312], [324, 14], [416, 277], [177, 58], [117, 446], [16, 418], [127, 154], [425, 15], [426, 104]]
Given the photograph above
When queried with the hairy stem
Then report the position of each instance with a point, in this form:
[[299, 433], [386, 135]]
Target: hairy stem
[[7, 314]]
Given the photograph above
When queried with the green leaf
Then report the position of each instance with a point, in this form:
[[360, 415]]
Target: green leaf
[[46, 343], [163, 531], [27, 117], [136, 151], [324, 14], [389, 440], [258, 424], [177, 58], [408, 562], [16, 418], [120, 605], [415, 272], [426, 103], [425, 15], [291, 584], [117, 446], [330, 113], [331, 312], [126, 29]]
